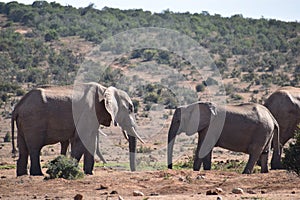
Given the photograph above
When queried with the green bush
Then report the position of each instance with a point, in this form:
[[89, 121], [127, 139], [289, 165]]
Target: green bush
[[64, 167], [200, 87], [291, 159]]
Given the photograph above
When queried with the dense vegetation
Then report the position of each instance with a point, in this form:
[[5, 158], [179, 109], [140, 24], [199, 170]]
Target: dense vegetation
[[64, 167], [259, 52], [291, 159]]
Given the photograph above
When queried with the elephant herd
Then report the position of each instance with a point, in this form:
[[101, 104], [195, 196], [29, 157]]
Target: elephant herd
[[73, 114]]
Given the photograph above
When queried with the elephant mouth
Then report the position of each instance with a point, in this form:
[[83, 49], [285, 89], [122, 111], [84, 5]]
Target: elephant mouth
[[106, 123]]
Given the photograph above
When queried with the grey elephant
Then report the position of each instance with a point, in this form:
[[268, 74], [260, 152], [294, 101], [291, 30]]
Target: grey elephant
[[284, 104], [57, 114], [65, 144], [247, 128]]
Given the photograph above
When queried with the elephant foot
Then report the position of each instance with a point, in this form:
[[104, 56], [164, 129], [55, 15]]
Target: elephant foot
[[277, 167], [36, 174], [21, 172], [88, 173], [247, 171]]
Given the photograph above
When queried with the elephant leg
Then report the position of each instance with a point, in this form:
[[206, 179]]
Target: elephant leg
[[88, 163], [207, 161], [23, 156], [254, 154], [197, 159], [264, 162], [132, 152], [64, 147], [276, 159], [250, 164], [35, 165], [77, 148]]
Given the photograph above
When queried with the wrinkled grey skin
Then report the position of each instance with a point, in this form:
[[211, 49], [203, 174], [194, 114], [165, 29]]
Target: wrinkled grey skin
[[65, 145], [248, 128], [44, 116], [284, 104]]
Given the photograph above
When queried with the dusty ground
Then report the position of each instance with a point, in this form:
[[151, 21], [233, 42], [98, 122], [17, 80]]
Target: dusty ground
[[115, 180]]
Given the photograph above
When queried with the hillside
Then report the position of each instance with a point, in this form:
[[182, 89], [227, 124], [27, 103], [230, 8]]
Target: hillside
[[162, 60], [45, 43]]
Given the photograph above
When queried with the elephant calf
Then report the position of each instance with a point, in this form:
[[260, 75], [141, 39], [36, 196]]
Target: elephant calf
[[247, 128]]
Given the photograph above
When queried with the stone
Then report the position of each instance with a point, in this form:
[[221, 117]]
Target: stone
[[219, 190], [102, 187], [154, 194], [200, 177], [138, 193], [78, 197], [251, 192], [219, 198], [237, 191], [211, 192]]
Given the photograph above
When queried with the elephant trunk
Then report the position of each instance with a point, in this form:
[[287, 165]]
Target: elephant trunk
[[14, 151], [132, 152], [172, 135], [171, 141]]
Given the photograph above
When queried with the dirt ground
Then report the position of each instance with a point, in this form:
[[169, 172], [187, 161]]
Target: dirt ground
[[115, 181]]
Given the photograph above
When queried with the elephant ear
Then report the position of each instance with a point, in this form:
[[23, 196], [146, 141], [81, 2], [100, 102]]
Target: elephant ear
[[100, 90], [214, 130], [111, 103]]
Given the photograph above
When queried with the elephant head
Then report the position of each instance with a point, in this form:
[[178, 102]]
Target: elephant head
[[108, 105], [189, 119], [120, 107]]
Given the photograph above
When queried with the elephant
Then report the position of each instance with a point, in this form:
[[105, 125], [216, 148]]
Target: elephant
[[65, 145], [284, 104], [247, 128], [61, 113]]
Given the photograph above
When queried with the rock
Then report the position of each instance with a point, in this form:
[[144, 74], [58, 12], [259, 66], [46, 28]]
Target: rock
[[263, 192], [211, 192], [138, 193], [78, 197], [181, 179], [200, 177], [251, 192], [216, 191], [154, 194], [114, 192], [219, 190], [293, 192], [219, 198], [102, 187], [237, 191]]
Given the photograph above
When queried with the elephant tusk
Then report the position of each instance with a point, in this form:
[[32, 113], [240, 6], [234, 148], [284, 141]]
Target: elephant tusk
[[125, 135], [101, 132], [137, 136]]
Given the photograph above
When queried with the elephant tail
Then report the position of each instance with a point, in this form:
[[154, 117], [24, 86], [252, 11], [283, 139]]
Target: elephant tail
[[13, 118]]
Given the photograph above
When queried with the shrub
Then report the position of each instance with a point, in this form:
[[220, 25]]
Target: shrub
[[143, 149], [64, 167], [291, 159], [7, 137], [200, 87]]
